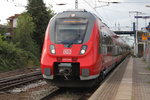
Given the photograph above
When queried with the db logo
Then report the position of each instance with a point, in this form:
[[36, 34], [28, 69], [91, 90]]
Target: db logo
[[67, 51]]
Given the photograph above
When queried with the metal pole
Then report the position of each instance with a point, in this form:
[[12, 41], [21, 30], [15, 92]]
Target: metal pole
[[136, 39], [95, 3], [76, 4], [136, 33], [145, 22]]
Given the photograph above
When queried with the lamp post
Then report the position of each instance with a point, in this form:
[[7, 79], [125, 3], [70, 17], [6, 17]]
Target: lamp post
[[146, 48]]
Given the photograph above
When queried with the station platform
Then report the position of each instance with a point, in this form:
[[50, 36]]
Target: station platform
[[129, 81]]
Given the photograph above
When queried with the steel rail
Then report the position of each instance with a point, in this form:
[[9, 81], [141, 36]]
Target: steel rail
[[10, 82], [53, 93], [19, 76]]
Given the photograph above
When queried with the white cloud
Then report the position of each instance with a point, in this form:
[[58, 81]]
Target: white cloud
[[114, 13]]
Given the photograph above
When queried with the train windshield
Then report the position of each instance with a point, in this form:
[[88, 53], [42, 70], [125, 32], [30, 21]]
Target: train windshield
[[70, 30]]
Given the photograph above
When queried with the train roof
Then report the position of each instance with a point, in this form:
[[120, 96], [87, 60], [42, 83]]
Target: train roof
[[76, 10], [82, 13]]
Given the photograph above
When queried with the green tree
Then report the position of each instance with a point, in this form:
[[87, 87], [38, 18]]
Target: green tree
[[3, 29], [41, 16], [24, 33], [12, 57]]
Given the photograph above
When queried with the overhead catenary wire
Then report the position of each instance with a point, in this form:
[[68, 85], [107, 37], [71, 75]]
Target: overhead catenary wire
[[146, 1], [106, 15], [135, 2], [96, 11]]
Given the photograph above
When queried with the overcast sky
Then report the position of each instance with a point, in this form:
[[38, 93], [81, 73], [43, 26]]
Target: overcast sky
[[113, 15]]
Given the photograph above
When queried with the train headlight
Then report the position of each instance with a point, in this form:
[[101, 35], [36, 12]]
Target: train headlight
[[52, 49], [83, 49]]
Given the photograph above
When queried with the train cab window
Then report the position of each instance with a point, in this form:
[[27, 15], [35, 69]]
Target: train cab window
[[70, 30]]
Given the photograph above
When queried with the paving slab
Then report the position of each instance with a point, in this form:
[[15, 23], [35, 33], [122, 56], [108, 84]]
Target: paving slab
[[141, 80], [130, 81], [109, 89], [125, 88]]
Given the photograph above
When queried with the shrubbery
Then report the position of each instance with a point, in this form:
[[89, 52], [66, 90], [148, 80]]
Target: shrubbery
[[23, 37], [27, 39], [12, 57]]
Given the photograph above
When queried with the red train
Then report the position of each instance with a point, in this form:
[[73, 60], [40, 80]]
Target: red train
[[79, 50]]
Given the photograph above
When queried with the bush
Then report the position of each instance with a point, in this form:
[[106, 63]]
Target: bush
[[24, 33], [12, 57]]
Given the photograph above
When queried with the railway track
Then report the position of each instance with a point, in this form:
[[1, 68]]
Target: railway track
[[71, 93], [82, 94], [9, 82], [53, 93]]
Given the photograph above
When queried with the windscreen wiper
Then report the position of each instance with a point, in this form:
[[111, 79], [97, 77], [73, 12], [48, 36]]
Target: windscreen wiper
[[65, 42], [75, 39]]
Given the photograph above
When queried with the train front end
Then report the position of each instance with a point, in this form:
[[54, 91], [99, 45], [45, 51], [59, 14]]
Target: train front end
[[69, 56]]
